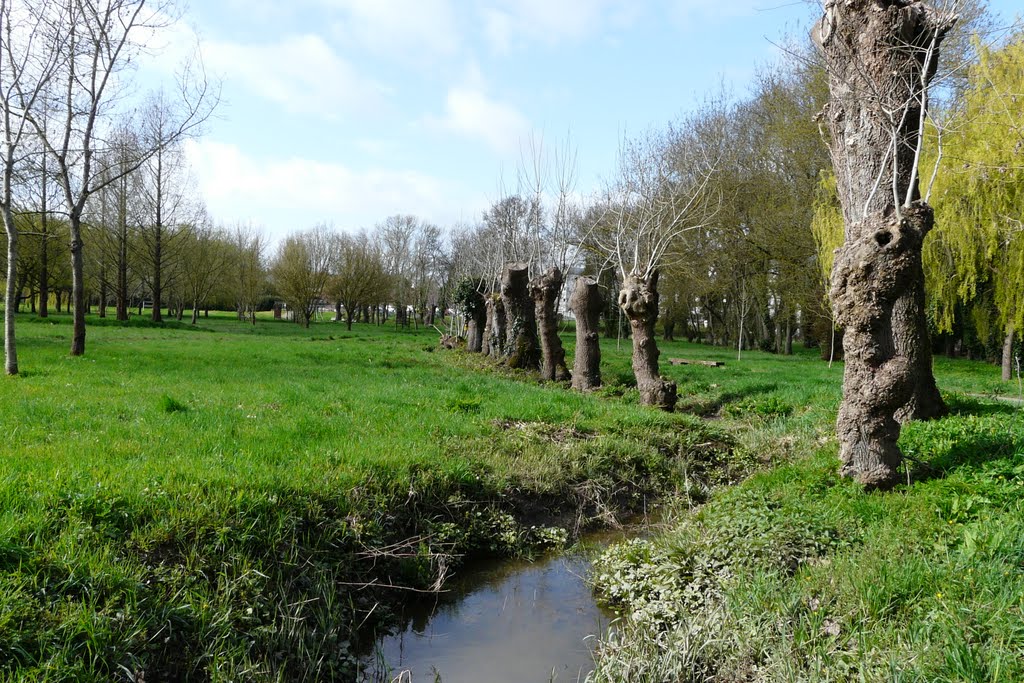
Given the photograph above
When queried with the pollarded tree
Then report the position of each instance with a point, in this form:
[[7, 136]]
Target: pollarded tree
[[655, 199], [301, 271], [880, 56]]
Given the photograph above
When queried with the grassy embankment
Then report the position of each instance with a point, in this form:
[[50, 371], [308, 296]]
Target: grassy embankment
[[213, 502], [196, 502], [796, 575]]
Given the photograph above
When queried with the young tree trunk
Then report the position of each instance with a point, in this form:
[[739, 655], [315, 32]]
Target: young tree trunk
[[11, 295], [103, 292], [545, 291], [880, 56], [77, 288], [638, 299], [1008, 354], [586, 305], [522, 347], [44, 271], [789, 336], [195, 312]]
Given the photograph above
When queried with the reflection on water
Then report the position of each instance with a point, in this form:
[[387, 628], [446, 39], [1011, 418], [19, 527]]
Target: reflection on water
[[514, 621]]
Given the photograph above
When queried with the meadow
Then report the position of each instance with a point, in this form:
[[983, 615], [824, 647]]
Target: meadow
[[229, 502]]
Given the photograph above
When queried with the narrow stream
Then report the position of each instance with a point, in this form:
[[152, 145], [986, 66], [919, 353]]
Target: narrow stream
[[513, 621]]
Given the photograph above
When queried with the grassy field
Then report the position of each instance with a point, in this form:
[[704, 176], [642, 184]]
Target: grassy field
[[226, 502], [235, 503]]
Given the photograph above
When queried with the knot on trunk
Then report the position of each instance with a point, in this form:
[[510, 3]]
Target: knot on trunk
[[636, 298], [873, 270]]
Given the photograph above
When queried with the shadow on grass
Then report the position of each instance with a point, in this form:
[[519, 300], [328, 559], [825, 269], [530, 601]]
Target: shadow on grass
[[710, 405], [962, 404], [975, 435]]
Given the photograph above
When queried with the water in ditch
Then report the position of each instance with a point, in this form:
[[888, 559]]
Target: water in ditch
[[513, 621]]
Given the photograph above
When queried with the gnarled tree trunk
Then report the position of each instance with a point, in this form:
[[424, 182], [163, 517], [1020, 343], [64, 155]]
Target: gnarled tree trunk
[[586, 305], [880, 56], [476, 328], [638, 299], [522, 347], [545, 291], [497, 322]]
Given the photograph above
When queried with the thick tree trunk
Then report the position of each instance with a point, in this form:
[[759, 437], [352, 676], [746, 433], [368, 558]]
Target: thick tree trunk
[[522, 347], [545, 291], [195, 312], [496, 322], [476, 328], [1008, 354], [638, 299], [880, 55], [586, 305]]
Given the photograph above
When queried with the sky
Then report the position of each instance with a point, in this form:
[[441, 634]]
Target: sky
[[348, 111]]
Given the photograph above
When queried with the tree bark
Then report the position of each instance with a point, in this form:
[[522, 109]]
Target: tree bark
[[586, 305], [638, 299], [1008, 353], [77, 302], [522, 347], [545, 291], [497, 322], [11, 295], [476, 328], [880, 56]]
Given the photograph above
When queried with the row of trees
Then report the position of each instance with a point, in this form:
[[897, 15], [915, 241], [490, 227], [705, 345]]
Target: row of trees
[[76, 146], [731, 225]]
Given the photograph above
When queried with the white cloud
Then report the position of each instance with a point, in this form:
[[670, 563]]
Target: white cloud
[[471, 113], [302, 73], [408, 29], [296, 193], [513, 23]]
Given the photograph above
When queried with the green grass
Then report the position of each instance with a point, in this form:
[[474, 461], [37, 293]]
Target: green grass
[[223, 502], [797, 575]]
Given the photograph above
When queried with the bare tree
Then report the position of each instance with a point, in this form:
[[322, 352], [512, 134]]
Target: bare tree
[[358, 274], [881, 56], [26, 70], [165, 213], [97, 41], [249, 272], [207, 253], [653, 201]]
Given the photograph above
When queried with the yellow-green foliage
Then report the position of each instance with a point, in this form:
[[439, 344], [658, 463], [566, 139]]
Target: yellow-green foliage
[[827, 224], [978, 244]]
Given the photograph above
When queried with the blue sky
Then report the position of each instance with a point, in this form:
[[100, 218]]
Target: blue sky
[[347, 111]]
